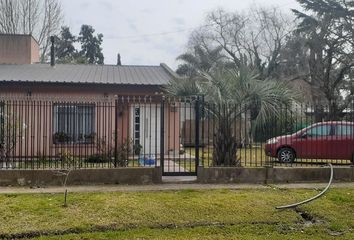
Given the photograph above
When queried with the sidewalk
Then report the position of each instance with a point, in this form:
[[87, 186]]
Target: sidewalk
[[168, 187]]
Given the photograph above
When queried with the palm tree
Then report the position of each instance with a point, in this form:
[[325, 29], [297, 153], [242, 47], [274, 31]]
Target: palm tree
[[200, 60], [228, 93]]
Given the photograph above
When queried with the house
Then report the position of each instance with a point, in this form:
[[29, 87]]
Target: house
[[81, 110]]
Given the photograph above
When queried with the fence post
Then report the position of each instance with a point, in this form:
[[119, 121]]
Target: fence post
[[116, 133], [352, 133], [162, 134], [197, 119], [202, 127]]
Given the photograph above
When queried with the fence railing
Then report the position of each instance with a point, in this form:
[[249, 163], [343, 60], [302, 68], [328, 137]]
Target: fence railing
[[177, 134], [296, 135]]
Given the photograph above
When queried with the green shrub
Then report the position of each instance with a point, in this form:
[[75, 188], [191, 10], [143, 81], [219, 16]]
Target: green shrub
[[98, 158]]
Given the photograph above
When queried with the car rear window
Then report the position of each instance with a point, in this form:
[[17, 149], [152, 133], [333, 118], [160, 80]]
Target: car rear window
[[344, 130]]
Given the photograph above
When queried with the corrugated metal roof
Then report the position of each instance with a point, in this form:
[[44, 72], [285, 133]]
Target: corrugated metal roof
[[76, 73]]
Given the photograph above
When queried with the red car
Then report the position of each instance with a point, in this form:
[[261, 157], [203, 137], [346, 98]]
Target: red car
[[325, 140]]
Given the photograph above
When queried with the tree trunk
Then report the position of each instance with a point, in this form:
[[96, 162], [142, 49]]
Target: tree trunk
[[319, 112], [334, 112], [225, 145]]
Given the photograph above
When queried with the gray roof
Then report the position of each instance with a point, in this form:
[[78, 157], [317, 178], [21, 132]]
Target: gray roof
[[76, 73]]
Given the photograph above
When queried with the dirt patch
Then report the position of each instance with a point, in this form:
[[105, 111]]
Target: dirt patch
[[308, 219]]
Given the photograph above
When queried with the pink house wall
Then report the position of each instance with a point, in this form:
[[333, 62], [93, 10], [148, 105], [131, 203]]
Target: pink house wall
[[36, 111]]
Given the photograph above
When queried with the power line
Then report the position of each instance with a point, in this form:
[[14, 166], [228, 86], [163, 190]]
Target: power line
[[160, 33], [178, 31], [152, 34]]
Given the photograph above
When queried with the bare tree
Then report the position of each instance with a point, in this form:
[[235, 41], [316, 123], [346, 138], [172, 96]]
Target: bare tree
[[254, 39], [64, 174], [40, 18]]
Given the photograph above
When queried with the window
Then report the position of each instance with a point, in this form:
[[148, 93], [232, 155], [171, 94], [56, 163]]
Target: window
[[74, 123], [323, 130], [344, 130]]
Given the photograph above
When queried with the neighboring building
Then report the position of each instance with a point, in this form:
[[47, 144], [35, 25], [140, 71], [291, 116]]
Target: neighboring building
[[18, 49]]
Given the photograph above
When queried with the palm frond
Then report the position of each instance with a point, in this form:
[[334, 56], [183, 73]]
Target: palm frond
[[226, 88], [188, 58], [182, 87]]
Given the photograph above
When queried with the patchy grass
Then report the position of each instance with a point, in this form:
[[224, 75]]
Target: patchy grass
[[249, 157], [210, 214]]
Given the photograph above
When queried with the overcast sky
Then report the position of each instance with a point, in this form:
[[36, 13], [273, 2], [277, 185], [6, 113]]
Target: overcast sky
[[148, 32]]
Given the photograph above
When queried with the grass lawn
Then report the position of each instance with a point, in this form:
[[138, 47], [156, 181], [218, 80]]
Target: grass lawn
[[249, 157], [193, 214]]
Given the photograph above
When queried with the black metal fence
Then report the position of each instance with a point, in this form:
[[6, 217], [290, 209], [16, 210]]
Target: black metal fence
[[177, 134], [296, 135]]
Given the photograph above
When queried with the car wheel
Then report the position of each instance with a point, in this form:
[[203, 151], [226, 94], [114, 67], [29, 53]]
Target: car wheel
[[352, 159], [286, 155]]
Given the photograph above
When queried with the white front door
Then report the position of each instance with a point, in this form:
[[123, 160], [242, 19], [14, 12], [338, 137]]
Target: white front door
[[146, 127]]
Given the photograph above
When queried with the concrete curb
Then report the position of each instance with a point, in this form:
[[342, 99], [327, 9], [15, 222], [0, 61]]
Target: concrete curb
[[269, 175], [135, 175], [143, 176]]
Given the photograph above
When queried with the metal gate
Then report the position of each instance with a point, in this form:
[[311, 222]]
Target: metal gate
[[180, 124]]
